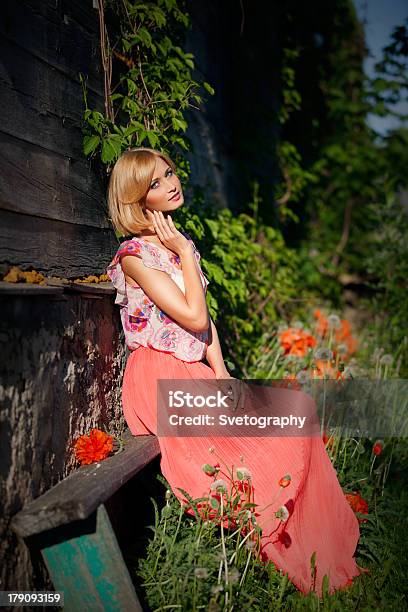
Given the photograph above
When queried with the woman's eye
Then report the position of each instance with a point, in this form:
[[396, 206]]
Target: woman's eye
[[155, 183]]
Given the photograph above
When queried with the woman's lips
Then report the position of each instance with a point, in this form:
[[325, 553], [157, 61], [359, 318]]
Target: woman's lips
[[175, 197]]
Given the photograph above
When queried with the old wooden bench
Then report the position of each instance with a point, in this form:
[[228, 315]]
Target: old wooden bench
[[71, 527]]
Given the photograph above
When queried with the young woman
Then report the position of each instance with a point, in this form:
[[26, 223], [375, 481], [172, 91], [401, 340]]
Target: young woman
[[161, 291]]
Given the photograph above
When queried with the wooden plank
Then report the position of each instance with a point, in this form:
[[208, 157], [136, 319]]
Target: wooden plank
[[48, 89], [54, 247], [43, 129], [40, 105], [78, 495], [38, 182], [81, 12], [47, 30], [90, 570], [92, 288], [28, 289]]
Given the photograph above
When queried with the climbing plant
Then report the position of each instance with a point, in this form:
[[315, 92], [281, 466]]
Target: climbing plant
[[148, 82], [294, 176]]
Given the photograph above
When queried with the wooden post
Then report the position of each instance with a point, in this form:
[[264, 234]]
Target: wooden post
[[89, 568]]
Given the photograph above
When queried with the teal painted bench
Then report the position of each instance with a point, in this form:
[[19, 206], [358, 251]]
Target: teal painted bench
[[71, 527]]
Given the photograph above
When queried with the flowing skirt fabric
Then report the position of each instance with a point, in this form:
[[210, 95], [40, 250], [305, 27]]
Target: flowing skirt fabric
[[320, 520]]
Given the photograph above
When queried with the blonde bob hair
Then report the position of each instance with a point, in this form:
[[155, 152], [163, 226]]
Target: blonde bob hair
[[128, 187]]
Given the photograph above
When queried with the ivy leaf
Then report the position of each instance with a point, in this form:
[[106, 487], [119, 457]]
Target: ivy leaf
[[208, 87], [132, 87], [90, 143], [145, 37], [111, 148], [217, 273], [153, 139], [179, 124]]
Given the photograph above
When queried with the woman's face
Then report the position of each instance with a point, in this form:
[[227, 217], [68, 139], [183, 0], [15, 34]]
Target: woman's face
[[164, 185]]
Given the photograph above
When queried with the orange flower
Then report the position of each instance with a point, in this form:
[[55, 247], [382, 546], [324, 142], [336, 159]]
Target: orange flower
[[322, 324], [351, 345], [344, 331], [358, 504], [343, 335], [95, 447], [324, 368], [296, 341], [285, 481]]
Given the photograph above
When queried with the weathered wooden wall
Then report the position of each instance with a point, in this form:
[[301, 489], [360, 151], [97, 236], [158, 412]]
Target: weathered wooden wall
[[62, 351], [62, 358], [52, 200]]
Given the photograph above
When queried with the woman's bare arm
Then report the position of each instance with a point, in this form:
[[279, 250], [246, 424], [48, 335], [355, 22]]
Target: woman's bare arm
[[214, 354], [189, 310]]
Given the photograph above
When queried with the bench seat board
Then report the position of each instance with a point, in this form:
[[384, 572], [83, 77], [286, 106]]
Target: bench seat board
[[78, 495]]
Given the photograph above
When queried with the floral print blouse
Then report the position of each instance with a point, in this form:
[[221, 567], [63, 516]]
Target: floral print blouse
[[143, 322]]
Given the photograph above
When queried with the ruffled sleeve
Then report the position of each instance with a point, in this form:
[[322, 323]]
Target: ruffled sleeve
[[115, 272], [150, 256]]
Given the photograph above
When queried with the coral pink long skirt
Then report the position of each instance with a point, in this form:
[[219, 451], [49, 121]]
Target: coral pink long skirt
[[320, 521]]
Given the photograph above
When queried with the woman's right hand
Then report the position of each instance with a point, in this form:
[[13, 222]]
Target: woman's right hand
[[237, 391], [167, 232]]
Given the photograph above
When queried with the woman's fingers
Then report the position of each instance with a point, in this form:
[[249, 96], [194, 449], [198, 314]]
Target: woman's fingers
[[171, 224], [163, 235], [237, 392], [157, 225], [227, 389], [164, 226]]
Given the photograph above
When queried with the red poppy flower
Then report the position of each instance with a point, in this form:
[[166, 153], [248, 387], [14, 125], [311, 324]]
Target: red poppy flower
[[358, 504], [377, 448], [285, 481], [296, 341], [264, 557], [343, 335], [242, 485], [322, 324], [95, 447]]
